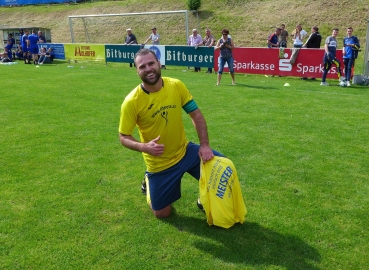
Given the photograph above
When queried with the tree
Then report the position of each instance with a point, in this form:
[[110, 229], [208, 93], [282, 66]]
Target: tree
[[193, 4]]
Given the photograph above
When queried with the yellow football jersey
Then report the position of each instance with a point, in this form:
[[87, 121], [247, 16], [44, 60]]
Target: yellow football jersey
[[155, 114], [220, 193]]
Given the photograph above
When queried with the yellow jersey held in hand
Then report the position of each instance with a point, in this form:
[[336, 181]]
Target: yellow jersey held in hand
[[220, 193]]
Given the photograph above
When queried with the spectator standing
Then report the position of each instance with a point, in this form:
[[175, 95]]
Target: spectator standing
[[41, 37], [298, 36], [208, 41], [330, 49], [154, 37], [283, 37], [165, 149], [313, 42], [273, 38], [129, 40], [155, 40], [24, 43], [33, 47], [225, 45], [195, 40], [350, 51]]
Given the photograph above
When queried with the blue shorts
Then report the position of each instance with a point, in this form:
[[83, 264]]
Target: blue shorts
[[165, 186], [33, 50]]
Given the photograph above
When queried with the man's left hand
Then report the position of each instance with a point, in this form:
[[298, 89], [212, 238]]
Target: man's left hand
[[205, 153]]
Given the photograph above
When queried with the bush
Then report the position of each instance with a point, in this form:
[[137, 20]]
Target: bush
[[193, 4]]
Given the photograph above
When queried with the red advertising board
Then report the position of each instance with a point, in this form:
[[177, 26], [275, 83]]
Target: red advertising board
[[309, 62]]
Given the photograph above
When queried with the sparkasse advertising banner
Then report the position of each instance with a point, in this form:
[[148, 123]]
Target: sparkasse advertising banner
[[90, 52], [309, 62], [189, 56]]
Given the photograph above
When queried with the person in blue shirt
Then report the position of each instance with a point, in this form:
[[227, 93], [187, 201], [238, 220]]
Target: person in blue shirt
[[24, 43], [351, 46], [12, 40], [330, 49], [6, 56], [19, 53], [46, 57], [33, 47], [273, 38]]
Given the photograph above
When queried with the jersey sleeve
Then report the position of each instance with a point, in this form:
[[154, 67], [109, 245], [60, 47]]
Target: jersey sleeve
[[185, 94], [128, 117]]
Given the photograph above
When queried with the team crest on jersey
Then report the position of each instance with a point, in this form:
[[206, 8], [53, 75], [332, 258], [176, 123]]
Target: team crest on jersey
[[164, 114]]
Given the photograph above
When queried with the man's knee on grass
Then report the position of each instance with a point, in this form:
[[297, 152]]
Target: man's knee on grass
[[162, 213]]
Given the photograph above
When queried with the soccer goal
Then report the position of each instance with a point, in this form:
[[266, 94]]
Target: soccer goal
[[111, 28]]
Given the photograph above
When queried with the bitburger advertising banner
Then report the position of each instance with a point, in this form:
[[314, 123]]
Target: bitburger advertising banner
[[121, 53], [189, 56]]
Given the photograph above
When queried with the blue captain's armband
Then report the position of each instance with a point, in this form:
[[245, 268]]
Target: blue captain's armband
[[190, 106]]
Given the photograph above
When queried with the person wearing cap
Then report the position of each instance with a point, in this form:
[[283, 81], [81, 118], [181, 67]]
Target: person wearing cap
[[130, 39], [154, 37], [195, 40], [155, 40]]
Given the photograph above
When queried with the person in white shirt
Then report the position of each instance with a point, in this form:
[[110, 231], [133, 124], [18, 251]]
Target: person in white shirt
[[298, 36]]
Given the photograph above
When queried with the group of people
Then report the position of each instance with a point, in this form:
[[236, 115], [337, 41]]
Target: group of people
[[31, 52], [28, 49], [225, 44], [300, 38]]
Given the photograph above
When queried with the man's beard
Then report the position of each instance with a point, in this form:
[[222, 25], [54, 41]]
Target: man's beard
[[154, 80]]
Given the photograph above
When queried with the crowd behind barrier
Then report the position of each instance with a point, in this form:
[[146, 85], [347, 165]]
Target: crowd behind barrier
[[246, 60]]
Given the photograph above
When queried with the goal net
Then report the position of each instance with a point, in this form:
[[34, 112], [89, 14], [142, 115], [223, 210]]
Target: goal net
[[173, 27]]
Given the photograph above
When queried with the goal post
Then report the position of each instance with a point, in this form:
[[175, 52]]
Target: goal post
[[366, 52], [114, 25]]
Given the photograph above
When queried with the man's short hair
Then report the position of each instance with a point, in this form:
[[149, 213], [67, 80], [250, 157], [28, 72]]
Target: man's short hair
[[225, 31], [335, 29], [316, 28], [144, 52]]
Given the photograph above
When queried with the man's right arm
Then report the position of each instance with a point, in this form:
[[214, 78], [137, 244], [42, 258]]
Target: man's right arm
[[152, 147]]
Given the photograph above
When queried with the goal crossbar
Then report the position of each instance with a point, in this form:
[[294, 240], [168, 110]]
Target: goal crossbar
[[128, 14]]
